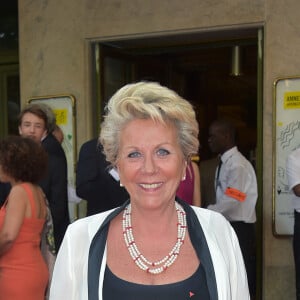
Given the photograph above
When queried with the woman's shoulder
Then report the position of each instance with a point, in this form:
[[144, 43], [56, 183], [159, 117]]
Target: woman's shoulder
[[90, 223], [210, 219], [27, 189], [81, 232], [216, 228], [18, 190]]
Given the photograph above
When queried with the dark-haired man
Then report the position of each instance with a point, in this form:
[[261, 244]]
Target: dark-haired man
[[236, 192], [37, 121]]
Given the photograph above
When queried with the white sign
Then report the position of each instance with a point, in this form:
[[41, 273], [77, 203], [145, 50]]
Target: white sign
[[286, 139]]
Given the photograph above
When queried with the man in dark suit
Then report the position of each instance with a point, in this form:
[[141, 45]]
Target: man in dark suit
[[37, 121], [96, 182], [55, 186]]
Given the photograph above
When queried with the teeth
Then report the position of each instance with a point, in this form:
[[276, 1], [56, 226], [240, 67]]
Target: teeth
[[150, 186]]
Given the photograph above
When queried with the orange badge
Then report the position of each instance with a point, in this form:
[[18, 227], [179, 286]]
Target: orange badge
[[236, 194]]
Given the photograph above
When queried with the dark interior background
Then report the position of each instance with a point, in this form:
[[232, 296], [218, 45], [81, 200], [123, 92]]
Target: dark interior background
[[198, 71]]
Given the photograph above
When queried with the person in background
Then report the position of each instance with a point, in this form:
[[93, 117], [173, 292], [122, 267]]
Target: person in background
[[155, 246], [96, 183], [189, 187], [37, 121], [293, 175], [23, 271], [236, 192]]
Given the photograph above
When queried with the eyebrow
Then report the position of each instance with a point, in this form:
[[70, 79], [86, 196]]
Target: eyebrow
[[35, 123]]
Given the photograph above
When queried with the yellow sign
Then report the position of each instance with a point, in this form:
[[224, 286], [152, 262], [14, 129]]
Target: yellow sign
[[291, 100], [61, 116]]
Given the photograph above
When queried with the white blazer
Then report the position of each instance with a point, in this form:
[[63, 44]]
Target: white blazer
[[69, 281]]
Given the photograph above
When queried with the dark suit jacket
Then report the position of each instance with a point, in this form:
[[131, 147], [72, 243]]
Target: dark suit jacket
[[94, 183], [55, 187], [4, 191]]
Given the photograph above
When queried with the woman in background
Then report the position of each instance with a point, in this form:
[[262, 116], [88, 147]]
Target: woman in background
[[189, 188], [23, 271]]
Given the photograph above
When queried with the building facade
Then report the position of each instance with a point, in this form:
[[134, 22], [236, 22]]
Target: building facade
[[55, 57]]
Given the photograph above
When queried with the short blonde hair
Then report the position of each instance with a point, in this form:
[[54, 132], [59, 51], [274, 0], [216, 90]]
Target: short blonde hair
[[148, 100]]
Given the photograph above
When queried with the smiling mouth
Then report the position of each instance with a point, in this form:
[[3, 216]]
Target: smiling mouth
[[150, 185]]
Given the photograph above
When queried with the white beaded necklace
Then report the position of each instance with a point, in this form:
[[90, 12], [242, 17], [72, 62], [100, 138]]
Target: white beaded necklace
[[143, 263]]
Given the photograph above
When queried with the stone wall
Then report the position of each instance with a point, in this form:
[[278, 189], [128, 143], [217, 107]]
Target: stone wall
[[55, 59]]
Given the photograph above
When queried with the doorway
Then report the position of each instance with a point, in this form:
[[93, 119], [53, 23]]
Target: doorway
[[200, 71], [199, 67]]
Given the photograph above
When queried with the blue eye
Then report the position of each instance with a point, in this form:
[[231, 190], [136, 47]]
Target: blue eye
[[163, 152], [134, 154]]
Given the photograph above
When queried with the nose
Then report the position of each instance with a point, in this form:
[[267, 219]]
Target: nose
[[32, 128], [149, 165]]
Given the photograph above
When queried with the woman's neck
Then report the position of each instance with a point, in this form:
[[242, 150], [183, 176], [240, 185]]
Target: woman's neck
[[154, 222]]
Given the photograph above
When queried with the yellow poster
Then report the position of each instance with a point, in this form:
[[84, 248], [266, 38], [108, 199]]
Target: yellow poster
[[291, 100]]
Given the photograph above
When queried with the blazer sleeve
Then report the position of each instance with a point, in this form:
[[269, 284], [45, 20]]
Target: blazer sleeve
[[228, 260], [69, 278], [63, 281], [226, 255]]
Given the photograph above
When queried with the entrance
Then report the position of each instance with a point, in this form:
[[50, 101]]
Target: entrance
[[219, 77], [220, 73]]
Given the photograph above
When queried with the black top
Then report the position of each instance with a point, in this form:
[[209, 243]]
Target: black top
[[198, 240], [194, 287]]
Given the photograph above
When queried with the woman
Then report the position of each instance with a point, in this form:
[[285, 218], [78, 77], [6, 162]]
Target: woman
[[23, 271], [189, 188], [155, 246]]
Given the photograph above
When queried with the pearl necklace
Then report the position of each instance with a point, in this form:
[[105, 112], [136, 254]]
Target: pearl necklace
[[139, 259]]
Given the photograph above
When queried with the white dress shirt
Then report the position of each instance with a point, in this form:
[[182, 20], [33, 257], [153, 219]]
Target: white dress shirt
[[236, 188]]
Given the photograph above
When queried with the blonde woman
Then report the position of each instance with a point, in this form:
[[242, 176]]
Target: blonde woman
[[155, 246]]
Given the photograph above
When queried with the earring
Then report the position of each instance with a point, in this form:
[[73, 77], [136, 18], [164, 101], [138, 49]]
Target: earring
[[183, 178], [121, 185]]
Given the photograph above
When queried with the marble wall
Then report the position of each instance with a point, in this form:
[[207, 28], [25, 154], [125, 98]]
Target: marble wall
[[55, 58]]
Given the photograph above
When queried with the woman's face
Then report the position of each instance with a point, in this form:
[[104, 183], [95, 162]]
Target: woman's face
[[150, 162]]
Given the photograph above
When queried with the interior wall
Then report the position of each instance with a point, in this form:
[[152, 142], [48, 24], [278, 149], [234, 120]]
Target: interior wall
[[55, 59]]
